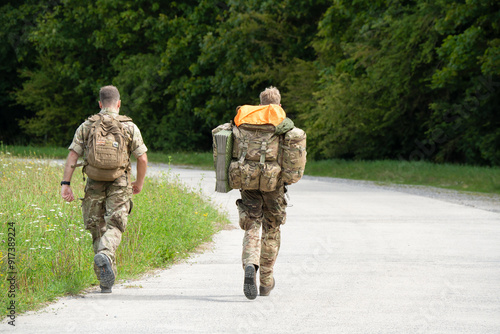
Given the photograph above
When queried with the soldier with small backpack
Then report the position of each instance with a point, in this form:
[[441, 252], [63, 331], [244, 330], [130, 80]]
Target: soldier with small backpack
[[106, 141], [265, 153]]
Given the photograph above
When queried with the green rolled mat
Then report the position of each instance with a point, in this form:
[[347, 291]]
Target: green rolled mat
[[224, 144]]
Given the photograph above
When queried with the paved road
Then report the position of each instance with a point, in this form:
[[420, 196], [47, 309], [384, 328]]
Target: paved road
[[354, 259]]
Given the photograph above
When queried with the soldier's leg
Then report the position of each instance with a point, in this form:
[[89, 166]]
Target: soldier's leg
[[93, 209], [118, 196], [274, 216], [250, 213]]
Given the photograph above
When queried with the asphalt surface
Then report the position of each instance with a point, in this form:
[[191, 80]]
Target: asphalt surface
[[354, 259]]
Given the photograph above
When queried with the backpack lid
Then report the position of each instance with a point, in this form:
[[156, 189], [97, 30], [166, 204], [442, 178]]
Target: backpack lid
[[267, 114]]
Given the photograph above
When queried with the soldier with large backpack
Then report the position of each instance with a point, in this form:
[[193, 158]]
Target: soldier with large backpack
[[264, 152], [106, 141]]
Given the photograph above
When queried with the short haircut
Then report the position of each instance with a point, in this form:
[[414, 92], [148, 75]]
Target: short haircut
[[270, 95], [109, 95]]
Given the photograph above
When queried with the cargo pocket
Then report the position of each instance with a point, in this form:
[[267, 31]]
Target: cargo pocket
[[245, 221], [93, 212], [250, 175], [269, 176], [234, 175]]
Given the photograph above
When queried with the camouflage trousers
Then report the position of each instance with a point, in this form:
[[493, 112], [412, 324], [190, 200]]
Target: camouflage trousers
[[267, 210], [105, 209]]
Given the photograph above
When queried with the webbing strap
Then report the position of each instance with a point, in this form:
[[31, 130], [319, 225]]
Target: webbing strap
[[263, 150], [244, 151]]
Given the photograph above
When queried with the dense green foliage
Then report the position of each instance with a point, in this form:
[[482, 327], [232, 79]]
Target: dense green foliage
[[411, 80]]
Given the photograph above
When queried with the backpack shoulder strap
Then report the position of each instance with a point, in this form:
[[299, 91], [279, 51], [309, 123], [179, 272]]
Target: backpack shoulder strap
[[120, 118], [94, 118], [123, 118]]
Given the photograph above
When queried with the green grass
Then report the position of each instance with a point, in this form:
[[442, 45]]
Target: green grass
[[53, 252], [457, 177], [49, 152], [199, 159]]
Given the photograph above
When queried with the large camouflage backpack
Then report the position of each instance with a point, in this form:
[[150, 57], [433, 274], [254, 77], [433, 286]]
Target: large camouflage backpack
[[106, 155], [255, 153], [261, 155]]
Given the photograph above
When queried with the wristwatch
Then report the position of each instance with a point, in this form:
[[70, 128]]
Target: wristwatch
[[65, 182]]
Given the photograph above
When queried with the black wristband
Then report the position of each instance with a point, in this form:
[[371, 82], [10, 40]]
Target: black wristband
[[65, 182]]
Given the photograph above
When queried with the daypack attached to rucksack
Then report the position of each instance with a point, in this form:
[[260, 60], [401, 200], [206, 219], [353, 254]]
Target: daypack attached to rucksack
[[106, 154], [293, 155]]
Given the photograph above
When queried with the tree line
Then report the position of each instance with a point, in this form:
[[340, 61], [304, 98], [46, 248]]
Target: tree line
[[366, 79]]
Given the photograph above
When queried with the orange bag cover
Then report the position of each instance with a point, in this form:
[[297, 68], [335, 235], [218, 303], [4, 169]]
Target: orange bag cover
[[267, 114]]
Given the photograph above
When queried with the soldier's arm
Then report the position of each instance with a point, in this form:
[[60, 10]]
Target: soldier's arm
[[142, 166], [66, 192]]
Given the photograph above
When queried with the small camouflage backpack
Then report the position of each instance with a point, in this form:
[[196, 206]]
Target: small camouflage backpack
[[106, 155], [293, 155]]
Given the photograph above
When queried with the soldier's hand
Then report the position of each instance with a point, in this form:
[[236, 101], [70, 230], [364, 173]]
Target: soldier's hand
[[67, 193], [136, 187]]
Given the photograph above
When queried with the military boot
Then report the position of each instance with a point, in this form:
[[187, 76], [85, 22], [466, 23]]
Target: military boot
[[250, 285], [106, 274], [266, 290]]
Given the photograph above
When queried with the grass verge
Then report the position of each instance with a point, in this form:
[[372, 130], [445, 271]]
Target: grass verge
[[51, 253], [457, 177], [203, 160]]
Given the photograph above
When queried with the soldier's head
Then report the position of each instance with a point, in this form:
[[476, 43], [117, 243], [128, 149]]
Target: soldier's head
[[109, 97], [270, 95]]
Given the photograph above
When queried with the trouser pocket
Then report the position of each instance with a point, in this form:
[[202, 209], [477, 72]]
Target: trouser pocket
[[245, 221]]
